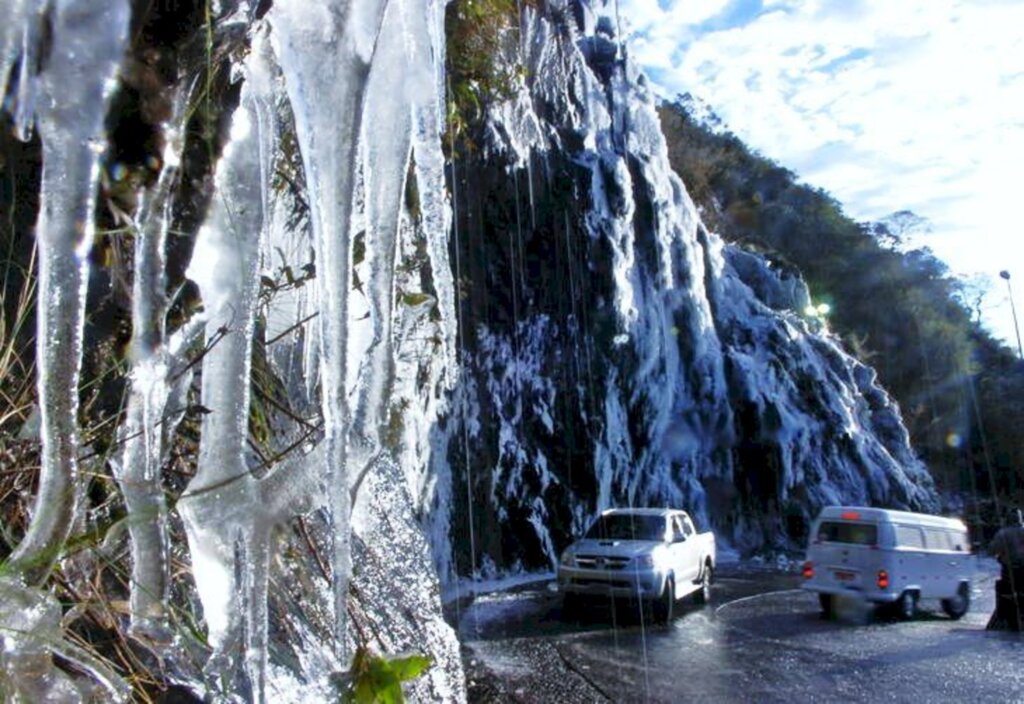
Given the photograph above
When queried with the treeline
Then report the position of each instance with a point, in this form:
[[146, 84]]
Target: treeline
[[960, 390]]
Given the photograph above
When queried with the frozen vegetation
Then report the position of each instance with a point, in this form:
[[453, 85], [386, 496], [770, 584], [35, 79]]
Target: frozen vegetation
[[443, 386]]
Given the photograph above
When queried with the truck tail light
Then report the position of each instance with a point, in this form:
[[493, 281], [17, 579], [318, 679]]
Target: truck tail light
[[808, 570], [883, 579]]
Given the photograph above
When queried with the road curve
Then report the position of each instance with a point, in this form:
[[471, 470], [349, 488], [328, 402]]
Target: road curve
[[761, 640]]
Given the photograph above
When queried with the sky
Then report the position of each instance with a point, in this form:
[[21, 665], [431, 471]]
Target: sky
[[887, 104]]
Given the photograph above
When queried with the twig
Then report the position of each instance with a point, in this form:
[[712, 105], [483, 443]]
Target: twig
[[304, 530], [121, 441], [285, 452], [292, 329], [273, 402], [217, 337]]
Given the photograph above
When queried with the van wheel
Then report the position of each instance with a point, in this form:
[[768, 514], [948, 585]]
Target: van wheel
[[906, 605], [826, 605], [956, 607], [703, 595], [662, 608]]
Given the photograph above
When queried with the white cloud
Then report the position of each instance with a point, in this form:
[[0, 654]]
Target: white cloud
[[915, 104]]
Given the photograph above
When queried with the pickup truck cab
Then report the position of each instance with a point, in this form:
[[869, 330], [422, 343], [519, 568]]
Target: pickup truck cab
[[655, 556], [889, 557]]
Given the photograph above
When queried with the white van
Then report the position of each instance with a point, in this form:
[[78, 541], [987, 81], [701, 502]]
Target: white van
[[889, 557]]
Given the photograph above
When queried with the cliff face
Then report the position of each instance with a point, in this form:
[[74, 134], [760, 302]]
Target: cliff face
[[614, 352]]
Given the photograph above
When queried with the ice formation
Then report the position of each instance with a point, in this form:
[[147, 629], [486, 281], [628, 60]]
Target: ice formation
[[589, 344], [314, 69], [159, 382], [73, 90]]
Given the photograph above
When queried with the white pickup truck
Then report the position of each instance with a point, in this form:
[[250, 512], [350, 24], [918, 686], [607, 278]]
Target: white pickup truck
[[652, 555]]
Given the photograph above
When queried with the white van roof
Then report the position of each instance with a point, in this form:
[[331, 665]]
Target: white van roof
[[885, 515]]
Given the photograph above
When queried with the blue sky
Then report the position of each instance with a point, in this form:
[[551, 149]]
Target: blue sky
[[887, 104]]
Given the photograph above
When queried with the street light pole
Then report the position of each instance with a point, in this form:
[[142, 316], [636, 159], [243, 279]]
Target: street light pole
[[1006, 275]]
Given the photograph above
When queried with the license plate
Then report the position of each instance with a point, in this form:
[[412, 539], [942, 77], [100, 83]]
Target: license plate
[[844, 576]]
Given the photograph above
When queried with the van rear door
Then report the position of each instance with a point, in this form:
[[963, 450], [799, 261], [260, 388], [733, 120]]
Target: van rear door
[[846, 554]]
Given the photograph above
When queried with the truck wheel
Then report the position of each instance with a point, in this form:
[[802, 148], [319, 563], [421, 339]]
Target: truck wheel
[[703, 595], [956, 607], [826, 605], [906, 605], [662, 607]]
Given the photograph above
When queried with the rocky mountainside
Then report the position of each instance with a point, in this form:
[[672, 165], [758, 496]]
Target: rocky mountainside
[[615, 352], [893, 302]]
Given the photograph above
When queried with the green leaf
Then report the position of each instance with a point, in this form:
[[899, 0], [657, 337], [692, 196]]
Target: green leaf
[[411, 667], [415, 299], [378, 680]]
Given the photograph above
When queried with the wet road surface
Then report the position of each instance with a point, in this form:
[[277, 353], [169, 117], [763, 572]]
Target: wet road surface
[[760, 640]]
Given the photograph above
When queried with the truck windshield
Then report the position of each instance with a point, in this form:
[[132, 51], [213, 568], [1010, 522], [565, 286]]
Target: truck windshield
[[853, 533], [620, 526]]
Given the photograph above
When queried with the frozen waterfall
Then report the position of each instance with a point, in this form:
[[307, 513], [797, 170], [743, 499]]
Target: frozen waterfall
[[616, 353]]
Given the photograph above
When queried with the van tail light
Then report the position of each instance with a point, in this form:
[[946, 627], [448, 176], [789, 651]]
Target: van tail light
[[808, 570], [883, 579]]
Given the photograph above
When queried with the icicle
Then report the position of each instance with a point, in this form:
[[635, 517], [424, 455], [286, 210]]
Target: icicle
[[20, 37], [428, 51], [28, 670], [138, 472], [86, 49], [25, 104], [387, 141], [12, 36], [223, 508], [325, 51]]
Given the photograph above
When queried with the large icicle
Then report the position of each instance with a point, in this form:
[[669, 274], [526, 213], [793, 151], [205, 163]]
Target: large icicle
[[325, 51], [223, 507], [387, 142], [87, 45], [426, 27]]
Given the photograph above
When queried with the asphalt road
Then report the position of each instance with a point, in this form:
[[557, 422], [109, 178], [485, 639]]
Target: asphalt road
[[760, 640]]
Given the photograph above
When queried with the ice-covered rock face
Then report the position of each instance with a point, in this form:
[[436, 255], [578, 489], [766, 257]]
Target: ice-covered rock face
[[615, 353]]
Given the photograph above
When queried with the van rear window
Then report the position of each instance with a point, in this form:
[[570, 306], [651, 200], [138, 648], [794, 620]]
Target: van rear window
[[852, 533]]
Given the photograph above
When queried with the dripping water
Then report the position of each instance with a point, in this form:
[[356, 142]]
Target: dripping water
[[465, 363]]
